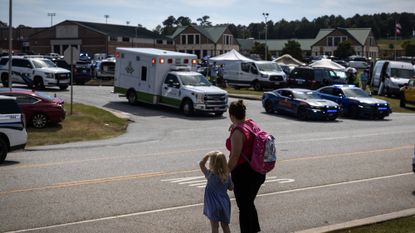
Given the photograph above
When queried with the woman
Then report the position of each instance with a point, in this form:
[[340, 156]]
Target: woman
[[246, 181]]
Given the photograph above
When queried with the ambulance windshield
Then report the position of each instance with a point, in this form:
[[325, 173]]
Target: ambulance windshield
[[194, 80]]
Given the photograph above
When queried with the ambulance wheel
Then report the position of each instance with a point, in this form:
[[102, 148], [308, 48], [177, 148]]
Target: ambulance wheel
[[187, 107], [132, 97]]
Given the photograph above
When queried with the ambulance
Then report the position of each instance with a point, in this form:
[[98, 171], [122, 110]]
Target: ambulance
[[167, 78]]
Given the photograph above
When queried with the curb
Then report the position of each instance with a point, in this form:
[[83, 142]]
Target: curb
[[361, 222]]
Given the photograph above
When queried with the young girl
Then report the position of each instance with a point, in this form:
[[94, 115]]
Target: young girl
[[217, 205]]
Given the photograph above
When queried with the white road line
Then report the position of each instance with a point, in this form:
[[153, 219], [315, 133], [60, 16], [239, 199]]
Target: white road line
[[201, 204], [333, 185]]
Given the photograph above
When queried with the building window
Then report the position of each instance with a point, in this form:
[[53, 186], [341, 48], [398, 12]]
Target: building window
[[227, 39], [334, 41], [190, 39], [197, 39], [159, 41], [126, 39], [113, 38], [169, 42]]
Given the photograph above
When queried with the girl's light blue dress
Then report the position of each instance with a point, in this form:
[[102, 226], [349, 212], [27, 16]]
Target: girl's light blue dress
[[217, 205]]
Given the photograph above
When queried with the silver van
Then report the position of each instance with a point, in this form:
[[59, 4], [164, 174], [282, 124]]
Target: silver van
[[389, 76]]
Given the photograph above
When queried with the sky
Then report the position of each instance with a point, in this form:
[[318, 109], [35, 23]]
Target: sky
[[150, 13]]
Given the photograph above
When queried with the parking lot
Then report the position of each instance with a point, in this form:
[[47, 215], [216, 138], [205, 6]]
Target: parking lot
[[148, 179]]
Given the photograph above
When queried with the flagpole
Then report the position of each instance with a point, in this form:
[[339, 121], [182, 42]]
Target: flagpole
[[394, 47]]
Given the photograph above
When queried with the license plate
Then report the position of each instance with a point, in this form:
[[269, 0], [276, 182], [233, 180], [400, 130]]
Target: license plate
[[300, 81], [277, 83], [382, 109], [331, 110]]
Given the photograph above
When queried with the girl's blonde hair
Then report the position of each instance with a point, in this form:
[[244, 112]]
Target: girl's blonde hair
[[218, 165]]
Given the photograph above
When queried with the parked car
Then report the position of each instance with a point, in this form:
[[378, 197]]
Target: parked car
[[286, 68], [13, 135], [82, 72], [408, 93], [358, 62], [313, 78], [302, 103], [104, 69], [36, 72], [39, 108], [355, 102]]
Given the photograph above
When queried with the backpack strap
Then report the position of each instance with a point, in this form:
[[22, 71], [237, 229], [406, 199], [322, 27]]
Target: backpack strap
[[243, 126]]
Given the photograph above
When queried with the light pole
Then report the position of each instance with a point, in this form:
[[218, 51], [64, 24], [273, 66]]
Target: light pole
[[266, 32], [106, 18], [10, 46], [136, 31], [51, 15]]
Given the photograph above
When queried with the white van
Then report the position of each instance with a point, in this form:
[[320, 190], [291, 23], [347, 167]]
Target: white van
[[167, 78], [389, 76], [257, 74]]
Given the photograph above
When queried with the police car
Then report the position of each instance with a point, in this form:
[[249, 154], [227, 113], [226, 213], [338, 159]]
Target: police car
[[355, 102], [13, 133]]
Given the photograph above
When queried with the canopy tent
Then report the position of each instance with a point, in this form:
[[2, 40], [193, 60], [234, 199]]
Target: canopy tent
[[327, 63], [230, 56], [287, 59]]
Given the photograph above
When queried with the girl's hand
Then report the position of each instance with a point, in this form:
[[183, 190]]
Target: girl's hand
[[202, 164]]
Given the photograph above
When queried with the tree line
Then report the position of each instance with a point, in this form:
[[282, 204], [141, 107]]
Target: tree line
[[382, 25]]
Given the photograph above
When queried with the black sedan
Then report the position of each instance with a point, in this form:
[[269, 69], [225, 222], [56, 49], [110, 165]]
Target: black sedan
[[302, 103]]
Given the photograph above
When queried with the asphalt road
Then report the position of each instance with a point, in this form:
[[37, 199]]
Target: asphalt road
[[147, 180]]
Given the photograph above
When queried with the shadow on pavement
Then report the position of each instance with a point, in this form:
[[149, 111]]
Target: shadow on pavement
[[150, 110], [9, 163]]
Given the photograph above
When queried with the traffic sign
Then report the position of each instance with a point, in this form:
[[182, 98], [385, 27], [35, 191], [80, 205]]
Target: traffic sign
[[67, 55]]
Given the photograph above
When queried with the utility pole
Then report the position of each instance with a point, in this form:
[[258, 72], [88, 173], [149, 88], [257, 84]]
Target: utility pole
[[51, 15], [266, 32], [106, 18], [10, 45]]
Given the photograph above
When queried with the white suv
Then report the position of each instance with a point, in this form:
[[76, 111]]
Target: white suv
[[13, 133], [35, 72]]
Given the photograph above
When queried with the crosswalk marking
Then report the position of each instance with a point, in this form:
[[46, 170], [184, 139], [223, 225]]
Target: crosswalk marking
[[200, 181]]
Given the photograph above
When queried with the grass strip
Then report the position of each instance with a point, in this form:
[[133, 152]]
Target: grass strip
[[85, 123]]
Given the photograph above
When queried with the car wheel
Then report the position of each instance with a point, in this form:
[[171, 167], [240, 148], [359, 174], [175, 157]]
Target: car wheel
[[402, 103], [302, 114], [333, 118], [3, 149], [5, 80], [268, 106], [132, 97], [187, 108], [63, 87], [38, 83], [257, 86], [39, 120]]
